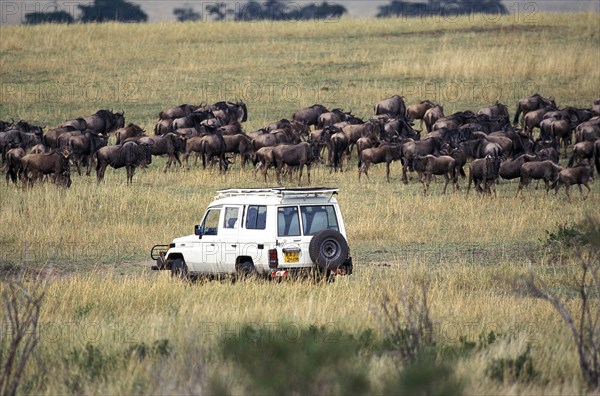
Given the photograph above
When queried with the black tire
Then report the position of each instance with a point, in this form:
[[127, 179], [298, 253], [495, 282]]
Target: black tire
[[246, 270], [328, 249], [179, 269]]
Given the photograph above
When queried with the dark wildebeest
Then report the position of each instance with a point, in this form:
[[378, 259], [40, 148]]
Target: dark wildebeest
[[400, 128], [534, 102], [84, 147], [129, 155], [580, 174], [6, 125], [385, 153], [481, 148], [15, 137], [589, 130], [538, 170], [432, 115], [55, 164], [239, 144], [332, 117], [296, 155], [455, 120], [309, 115], [582, 150], [213, 145], [418, 148], [170, 145], [163, 127], [498, 110], [354, 132], [274, 138], [511, 168], [50, 139], [484, 170], [14, 168], [130, 130], [176, 112], [417, 111], [229, 112], [78, 124], [430, 165], [39, 149], [105, 121], [394, 106], [521, 143], [337, 146]]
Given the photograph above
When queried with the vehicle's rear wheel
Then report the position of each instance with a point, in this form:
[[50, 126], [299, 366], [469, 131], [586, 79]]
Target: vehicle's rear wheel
[[246, 270], [179, 269], [329, 249]]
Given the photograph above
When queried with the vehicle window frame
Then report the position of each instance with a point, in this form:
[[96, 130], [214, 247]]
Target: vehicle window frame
[[288, 234]]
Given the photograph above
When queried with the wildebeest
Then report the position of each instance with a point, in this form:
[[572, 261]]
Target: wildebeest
[[212, 145], [455, 120], [417, 111], [399, 128], [432, 115], [582, 150], [484, 170], [542, 170], [534, 102], [394, 106], [129, 155], [481, 148], [176, 112], [84, 146], [296, 155], [229, 112], [263, 158], [385, 153], [239, 144], [78, 124], [105, 121], [163, 127], [309, 115], [588, 130], [55, 164], [511, 168], [331, 117], [418, 148], [170, 145], [130, 130], [337, 145], [443, 165], [16, 137], [13, 165], [580, 175], [497, 110]]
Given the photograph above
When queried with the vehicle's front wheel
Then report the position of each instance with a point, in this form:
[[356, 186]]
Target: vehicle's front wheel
[[179, 269], [328, 249]]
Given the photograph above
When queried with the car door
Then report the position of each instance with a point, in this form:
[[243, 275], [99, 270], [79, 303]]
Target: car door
[[229, 228], [204, 257]]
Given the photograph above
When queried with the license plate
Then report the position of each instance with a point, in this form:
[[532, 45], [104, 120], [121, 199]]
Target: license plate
[[291, 257]]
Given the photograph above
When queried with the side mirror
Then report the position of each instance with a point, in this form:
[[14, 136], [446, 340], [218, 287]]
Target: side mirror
[[198, 231]]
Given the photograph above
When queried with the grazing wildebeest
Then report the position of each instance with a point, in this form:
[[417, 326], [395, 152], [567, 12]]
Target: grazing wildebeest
[[163, 127], [455, 120], [443, 165], [580, 174], [55, 164], [293, 155], [15, 137], [129, 155], [432, 115], [484, 170], [394, 106], [582, 150], [417, 111], [176, 112], [14, 167], [534, 102], [309, 115], [239, 144], [130, 130], [84, 147], [105, 121], [511, 168], [170, 144], [385, 153], [538, 170], [418, 148]]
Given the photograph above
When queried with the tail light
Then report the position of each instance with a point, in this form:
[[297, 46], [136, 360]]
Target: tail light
[[273, 258]]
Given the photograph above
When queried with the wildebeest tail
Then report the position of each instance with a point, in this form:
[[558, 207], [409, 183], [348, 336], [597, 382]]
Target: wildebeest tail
[[571, 160], [517, 114]]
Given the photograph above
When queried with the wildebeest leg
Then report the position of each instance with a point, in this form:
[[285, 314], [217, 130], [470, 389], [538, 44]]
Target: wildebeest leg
[[588, 188], [426, 180], [387, 170], [446, 184], [404, 178], [567, 186], [547, 185], [300, 174], [278, 173], [130, 171]]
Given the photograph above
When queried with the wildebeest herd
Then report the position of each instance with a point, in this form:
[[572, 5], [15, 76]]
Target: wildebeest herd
[[528, 149]]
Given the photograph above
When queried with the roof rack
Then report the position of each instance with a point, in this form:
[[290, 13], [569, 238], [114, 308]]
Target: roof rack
[[277, 192]]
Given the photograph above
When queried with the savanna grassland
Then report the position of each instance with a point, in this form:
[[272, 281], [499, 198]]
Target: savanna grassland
[[110, 325]]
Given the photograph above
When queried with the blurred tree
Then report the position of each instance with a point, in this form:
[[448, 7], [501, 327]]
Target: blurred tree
[[35, 18], [186, 14], [441, 7], [112, 10]]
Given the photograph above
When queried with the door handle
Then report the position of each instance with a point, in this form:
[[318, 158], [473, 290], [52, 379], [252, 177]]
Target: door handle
[[233, 245], [212, 244]]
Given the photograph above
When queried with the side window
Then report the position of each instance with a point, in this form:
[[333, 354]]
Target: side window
[[231, 217], [210, 225], [288, 223], [318, 217], [256, 217]]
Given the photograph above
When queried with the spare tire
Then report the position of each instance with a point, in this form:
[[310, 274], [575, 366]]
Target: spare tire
[[329, 249]]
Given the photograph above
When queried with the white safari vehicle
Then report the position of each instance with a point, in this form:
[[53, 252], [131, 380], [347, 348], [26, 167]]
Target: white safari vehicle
[[273, 232]]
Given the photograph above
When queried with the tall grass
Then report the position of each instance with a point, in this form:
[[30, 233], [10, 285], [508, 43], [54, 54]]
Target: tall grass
[[95, 237]]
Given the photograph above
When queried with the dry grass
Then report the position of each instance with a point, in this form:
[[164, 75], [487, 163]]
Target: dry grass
[[50, 73]]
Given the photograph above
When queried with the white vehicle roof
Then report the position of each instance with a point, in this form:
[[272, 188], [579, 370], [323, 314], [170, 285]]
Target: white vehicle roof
[[275, 196]]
